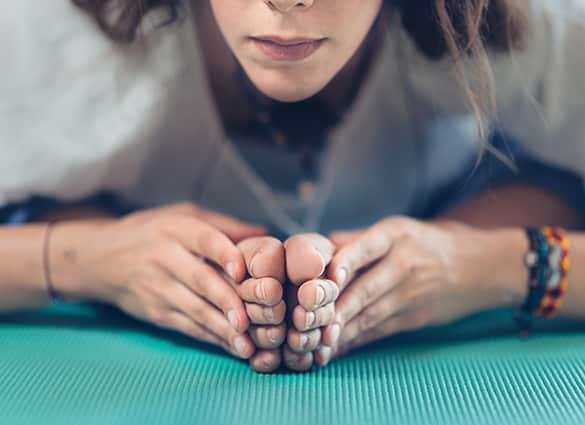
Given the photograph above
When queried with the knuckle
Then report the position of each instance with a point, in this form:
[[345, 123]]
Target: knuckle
[[156, 230], [162, 254], [370, 290], [189, 207], [403, 222], [363, 297], [367, 320], [196, 312], [405, 265], [371, 250], [197, 281]]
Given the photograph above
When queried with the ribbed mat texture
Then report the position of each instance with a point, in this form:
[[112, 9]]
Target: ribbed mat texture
[[92, 365]]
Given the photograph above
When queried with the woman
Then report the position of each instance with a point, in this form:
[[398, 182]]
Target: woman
[[302, 116]]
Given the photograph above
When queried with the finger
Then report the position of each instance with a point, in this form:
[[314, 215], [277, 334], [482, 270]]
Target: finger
[[317, 293], [306, 320], [408, 321], [342, 238], [262, 315], [233, 228], [264, 257], [368, 248], [206, 241], [388, 306], [330, 335], [268, 337], [178, 321], [206, 282], [265, 291], [303, 342], [307, 256], [207, 316], [266, 361], [368, 288], [370, 319], [323, 355], [299, 362]]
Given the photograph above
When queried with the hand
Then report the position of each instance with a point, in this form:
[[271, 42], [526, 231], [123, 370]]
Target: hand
[[177, 267], [263, 293], [310, 298], [401, 275]]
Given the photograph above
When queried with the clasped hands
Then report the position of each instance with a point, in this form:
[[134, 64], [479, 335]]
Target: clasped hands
[[297, 303], [347, 290]]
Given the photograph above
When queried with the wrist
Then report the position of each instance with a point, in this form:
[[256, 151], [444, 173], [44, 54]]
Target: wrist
[[504, 275], [71, 276]]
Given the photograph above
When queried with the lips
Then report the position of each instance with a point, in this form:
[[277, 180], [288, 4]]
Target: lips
[[287, 50]]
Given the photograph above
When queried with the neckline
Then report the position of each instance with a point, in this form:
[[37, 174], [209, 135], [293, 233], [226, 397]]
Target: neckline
[[336, 149]]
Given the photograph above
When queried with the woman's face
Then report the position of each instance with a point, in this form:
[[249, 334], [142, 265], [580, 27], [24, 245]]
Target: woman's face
[[291, 49]]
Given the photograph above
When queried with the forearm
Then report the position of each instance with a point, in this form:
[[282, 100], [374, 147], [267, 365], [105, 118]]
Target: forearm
[[504, 213], [23, 283], [517, 205], [505, 276]]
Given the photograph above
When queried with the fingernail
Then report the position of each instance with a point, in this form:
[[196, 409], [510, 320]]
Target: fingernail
[[341, 276], [269, 313], [260, 291], [335, 332], [319, 295], [310, 319], [324, 355], [273, 335], [240, 345], [231, 270], [233, 319], [304, 340], [334, 291]]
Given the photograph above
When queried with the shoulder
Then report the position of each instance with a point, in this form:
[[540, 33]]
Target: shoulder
[[58, 67], [550, 119], [78, 101]]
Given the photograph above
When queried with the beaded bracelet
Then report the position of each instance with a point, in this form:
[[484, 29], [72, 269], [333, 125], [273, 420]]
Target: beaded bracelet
[[558, 279], [548, 264]]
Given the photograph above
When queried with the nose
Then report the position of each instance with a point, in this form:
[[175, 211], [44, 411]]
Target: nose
[[288, 5]]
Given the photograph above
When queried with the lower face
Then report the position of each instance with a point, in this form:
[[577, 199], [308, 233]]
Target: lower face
[[292, 49]]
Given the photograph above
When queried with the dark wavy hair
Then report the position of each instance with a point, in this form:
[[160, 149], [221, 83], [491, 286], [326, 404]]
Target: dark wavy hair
[[460, 28]]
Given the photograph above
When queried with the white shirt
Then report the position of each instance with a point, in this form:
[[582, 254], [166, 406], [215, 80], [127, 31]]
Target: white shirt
[[80, 114]]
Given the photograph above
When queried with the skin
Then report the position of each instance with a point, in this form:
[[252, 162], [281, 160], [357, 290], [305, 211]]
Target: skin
[[344, 24], [264, 302], [310, 297], [182, 267], [222, 281], [403, 274]]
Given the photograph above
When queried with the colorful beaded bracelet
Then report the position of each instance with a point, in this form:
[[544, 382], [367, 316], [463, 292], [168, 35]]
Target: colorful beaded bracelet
[[548, 264]]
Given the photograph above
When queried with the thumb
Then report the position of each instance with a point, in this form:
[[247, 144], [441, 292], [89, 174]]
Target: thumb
[[344, 237], [233, 228]]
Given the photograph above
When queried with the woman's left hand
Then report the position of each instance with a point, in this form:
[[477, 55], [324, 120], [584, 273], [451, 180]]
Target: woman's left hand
[[403, 274]]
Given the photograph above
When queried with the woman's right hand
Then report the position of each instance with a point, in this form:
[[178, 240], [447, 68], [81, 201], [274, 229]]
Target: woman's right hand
[[177, 267]]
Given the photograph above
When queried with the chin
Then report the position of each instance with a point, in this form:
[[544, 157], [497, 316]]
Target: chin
[[286, 85]]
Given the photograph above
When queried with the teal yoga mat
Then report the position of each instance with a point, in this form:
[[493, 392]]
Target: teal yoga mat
[[92, 365]]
